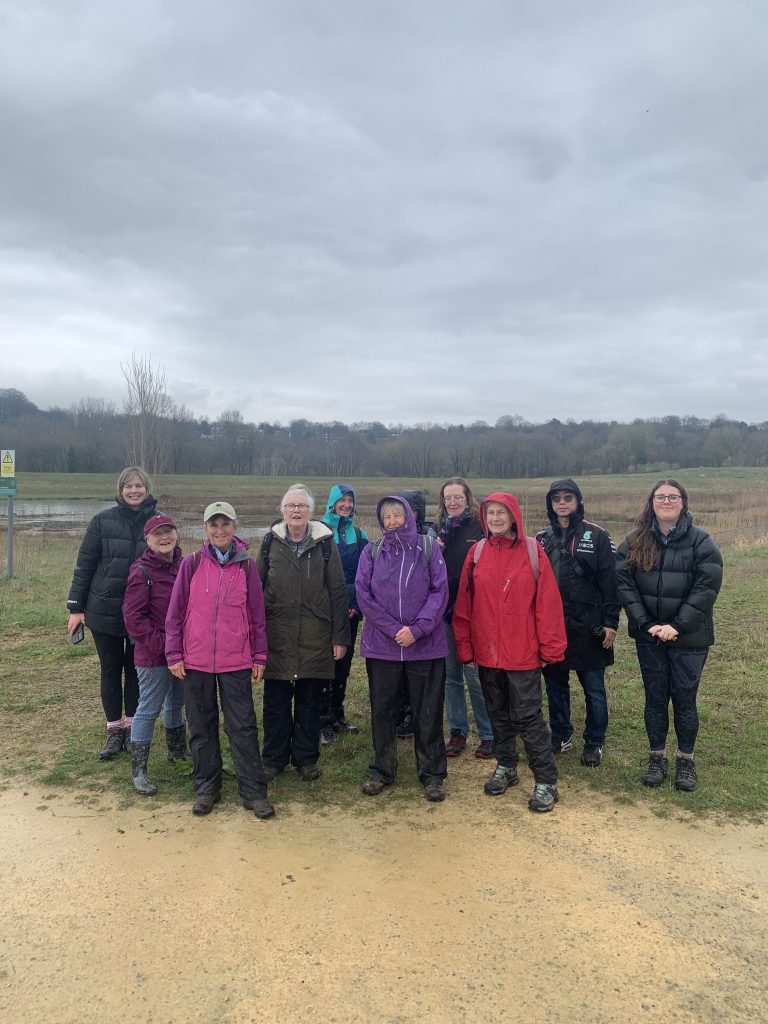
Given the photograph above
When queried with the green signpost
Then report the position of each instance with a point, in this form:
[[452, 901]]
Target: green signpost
[[8, 490]]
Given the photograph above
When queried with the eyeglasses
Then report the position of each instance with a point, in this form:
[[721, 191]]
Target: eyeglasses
[[673, 499], [460, 500], [296, 508]]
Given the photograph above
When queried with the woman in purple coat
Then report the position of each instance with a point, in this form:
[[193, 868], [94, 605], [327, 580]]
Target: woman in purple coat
[[402, 590]]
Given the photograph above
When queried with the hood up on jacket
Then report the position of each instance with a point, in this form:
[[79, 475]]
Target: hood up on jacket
[[418, 506], [407, 533], [337, 523], [566, 484], [509, 501]]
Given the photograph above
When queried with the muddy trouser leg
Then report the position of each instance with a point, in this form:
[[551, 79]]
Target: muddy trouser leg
[[385, 682], [111, 652], [307, 712], [203, 721], [496, 695], [278, 722], [426, 686], [338, 686], [236, 695], [528, 718], [653, 658], [685, 675]]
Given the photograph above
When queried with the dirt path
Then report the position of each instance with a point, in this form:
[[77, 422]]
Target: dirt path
[[475, 910]]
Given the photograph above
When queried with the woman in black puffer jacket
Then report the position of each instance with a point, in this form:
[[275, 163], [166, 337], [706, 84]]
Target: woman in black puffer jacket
[[113, 541], [669, 574]]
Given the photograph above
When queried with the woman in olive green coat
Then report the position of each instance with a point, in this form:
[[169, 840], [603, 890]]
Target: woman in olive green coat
[[305, 598]]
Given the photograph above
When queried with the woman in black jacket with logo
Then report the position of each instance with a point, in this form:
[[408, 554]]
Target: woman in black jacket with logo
[[669, 574], [112, 542]]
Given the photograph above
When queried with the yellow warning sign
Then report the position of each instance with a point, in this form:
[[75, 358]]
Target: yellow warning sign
[[7, 462]]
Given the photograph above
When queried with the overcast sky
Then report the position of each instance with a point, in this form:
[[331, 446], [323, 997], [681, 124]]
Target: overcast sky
[[406, 212]]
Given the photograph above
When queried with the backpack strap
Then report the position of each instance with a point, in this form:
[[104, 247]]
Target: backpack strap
[[426, 547], [325, 544], [532, 546], [146, 575]]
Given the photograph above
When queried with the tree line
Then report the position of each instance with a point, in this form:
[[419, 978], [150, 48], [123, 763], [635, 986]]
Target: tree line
[[95, 436]]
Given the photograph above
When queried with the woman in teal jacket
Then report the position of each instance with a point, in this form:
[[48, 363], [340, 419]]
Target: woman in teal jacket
[[350, 540]]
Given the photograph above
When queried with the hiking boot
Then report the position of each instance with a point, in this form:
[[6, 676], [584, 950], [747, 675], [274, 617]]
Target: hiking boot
[[405, 728], [139, 778], [308, 772], [485, 750], [544, 797], [261, 807], [271, 772], [204, 803], [561, 746], [114, 744], [656, 771], [176, 742], [685, 774], [501, 780], [456, 745], [372, 787], [342, 725], [592, 756], [327, 735], [434, 793]]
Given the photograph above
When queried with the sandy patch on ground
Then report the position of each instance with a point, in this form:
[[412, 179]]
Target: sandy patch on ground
[[474, 910]]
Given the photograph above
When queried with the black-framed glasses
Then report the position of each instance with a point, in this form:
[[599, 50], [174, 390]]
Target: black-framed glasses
[[672, 499], [294, 507]]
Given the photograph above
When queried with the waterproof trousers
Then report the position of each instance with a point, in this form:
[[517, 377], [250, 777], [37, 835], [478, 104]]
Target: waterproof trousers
[[292, 713], [202, 705], [424, 681], [513, 700]]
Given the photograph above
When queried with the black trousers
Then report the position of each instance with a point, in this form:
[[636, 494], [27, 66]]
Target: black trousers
[[236, 695], [116, 661], [333, 707], [513, 701], [670, 673], [425, 682], [292, 713]]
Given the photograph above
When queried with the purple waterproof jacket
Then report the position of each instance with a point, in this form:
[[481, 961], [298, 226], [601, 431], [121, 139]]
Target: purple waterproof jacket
[[145, 605], [215, 620], [399, 588]]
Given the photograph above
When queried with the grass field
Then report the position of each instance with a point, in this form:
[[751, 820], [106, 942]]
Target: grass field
[[51, 721], [730, 503]]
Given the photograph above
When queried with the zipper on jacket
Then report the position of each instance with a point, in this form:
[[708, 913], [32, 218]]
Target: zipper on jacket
[[216, 617], [658, 583]]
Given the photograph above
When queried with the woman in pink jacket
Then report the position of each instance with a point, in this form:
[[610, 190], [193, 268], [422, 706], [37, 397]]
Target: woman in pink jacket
[[215, 637]]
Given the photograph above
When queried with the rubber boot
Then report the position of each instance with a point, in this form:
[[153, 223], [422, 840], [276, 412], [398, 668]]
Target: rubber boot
[[141, 781], [176, 741]]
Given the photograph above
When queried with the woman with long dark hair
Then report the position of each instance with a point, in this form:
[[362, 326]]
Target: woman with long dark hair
[[669, 574], [458, 528]]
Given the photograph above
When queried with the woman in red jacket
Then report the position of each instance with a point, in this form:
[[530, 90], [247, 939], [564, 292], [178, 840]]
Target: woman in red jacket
[[508, 619]]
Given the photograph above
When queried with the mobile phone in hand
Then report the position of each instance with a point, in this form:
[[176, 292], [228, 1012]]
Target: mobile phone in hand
[[78, 635]]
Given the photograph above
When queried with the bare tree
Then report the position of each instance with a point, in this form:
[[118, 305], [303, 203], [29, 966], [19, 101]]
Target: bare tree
[[148, 407]]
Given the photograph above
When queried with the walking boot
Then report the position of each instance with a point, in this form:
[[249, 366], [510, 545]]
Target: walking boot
[[113, 744], [141, 781], [176, 741], [656, 772], [685, 774]]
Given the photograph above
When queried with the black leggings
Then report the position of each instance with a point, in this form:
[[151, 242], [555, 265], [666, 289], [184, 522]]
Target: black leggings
[[116, 659], [670, 673]]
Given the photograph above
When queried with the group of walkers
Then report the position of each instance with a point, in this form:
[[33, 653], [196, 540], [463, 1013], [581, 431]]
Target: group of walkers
[[469, 604]]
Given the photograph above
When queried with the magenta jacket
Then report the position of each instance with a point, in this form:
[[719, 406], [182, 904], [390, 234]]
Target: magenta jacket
[[147, 595], [399, 588], [215, 620]]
